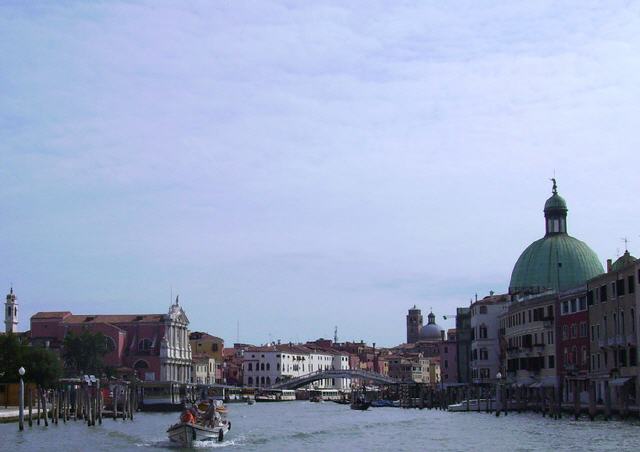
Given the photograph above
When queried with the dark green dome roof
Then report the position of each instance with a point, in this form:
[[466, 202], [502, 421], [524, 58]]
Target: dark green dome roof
[[556, 202], [623, 261], [557, 261], [537, 267]]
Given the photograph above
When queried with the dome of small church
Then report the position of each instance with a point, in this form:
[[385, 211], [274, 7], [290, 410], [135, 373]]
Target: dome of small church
[[623, 261], [431, 331]]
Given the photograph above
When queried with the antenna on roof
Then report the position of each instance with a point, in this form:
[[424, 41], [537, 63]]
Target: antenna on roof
[[626, 243], [335, 335]]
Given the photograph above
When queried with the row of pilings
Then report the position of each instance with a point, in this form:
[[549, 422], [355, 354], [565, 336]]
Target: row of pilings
[[79, 400], [502, 399]]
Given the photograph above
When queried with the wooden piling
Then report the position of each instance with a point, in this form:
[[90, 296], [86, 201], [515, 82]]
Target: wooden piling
[[592, 400], [576, 399], [45, 408], [30, 398], [115, 403], [607, 401], [38, 406]]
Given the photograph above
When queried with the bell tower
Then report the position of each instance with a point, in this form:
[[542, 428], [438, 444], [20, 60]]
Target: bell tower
[[414, 323], [11, 313]]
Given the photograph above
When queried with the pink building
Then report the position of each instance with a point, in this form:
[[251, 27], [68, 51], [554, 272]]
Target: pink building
[[448, 358], [153, 346]]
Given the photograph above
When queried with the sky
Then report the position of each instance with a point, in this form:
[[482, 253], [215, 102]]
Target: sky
[[287, 167]]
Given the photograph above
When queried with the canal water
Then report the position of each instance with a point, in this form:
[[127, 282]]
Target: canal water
[[329, 427]]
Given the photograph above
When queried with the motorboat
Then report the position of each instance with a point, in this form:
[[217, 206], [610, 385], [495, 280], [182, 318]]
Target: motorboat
[[186, 434], [197, 426], [473, 405], [382, 403]]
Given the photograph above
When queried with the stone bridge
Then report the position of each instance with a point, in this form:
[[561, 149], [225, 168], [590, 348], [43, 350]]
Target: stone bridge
[[341, 373]]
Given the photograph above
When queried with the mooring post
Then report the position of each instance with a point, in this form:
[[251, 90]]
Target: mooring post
[[592, 400], [607, 401], [30, 406]]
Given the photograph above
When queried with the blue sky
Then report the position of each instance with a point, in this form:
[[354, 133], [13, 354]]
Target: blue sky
[[299, 165]]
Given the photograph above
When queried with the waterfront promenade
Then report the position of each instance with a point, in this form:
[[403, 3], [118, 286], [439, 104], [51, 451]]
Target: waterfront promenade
[[9, 414]]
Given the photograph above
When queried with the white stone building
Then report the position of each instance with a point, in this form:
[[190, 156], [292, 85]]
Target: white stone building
[[485, 346], [265, 366]]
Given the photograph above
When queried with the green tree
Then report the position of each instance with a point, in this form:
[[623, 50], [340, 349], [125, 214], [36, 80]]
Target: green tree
[[83, 353], [42, 365], [11, 358]]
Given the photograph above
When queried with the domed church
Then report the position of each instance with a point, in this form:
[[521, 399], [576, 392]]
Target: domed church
[[557, 261]]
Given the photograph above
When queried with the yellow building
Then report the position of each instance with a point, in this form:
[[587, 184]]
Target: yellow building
[[206, 344]]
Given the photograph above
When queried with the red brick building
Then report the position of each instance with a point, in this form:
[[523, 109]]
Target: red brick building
[[154, 347], [572, 350]]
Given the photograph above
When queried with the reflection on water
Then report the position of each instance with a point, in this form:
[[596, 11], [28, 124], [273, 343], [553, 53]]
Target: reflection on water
[[328, 426]]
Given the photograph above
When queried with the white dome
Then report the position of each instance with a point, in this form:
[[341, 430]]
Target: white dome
[[431, 331]]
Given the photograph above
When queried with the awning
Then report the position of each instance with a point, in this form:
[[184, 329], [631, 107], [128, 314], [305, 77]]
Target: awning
[[619, 381]]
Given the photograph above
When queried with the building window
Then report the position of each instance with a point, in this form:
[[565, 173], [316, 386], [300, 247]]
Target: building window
[[593, 332], [484, 354], [483, 332], [250, 367], [584, 356], [144, 345], [262, 381], [565, 332], [109, 344], [483, 309], [574, 305], [582, 303], [261, 366], [574, 330], [550, 337], [583, 329], [633, 320], [552, 361], [590, 297], [633, 356], [631, 284], [565, 307], [603, 293]]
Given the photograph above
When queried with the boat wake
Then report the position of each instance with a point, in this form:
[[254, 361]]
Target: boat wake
[[239, 441]]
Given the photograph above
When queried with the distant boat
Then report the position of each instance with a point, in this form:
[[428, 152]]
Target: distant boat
[[359, 401], [384, 403], [472, 405]]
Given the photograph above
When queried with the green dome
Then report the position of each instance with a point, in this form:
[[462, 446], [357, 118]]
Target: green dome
[[623, 261], [556, 202], [557, 261], [537, 267]]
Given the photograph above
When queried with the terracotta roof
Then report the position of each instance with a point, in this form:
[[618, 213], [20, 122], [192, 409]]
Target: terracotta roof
[[199, 335], [127, 318], [51, 315]]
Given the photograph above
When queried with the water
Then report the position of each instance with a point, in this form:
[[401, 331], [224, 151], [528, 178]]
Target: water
[[327, 426]]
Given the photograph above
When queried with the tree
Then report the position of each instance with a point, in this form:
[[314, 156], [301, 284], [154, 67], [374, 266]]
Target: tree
[[84, 352], [11, 358], [42, 365]]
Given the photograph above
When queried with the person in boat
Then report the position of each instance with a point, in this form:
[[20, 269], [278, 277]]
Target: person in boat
[[212, 417], [188, 416]]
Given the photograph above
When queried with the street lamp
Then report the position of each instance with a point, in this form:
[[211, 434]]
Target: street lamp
[[498, 393], [21, 371]]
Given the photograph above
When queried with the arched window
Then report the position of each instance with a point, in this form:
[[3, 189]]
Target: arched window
[[262, 380], [141, 364], [268, 366], [268, 381], [250, 381], [109, 344], [250, 366], [261, 366], [144, 345]]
